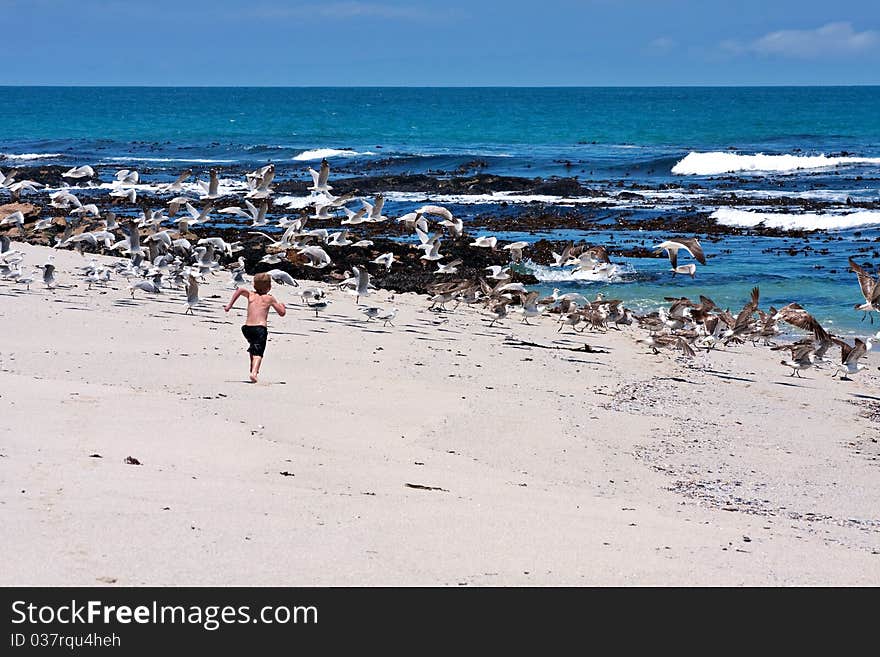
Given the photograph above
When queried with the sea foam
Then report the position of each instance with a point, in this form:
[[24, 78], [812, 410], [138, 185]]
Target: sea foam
[[612, 274], [708, 164], [806, 221]]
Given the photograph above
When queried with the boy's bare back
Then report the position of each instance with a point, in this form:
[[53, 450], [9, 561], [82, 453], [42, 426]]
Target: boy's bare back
[[258, 306]]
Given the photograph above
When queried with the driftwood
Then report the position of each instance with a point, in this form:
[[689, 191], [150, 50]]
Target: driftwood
[[585, 349]]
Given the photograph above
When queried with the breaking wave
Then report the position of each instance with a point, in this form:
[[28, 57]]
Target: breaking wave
[[707, 164], [29, 156], [806, 221], [321, 153]]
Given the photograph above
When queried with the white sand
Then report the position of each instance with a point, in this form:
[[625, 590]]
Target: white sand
[[557, 467]]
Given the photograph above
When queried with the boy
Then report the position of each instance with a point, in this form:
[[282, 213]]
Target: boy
[[255, 330]]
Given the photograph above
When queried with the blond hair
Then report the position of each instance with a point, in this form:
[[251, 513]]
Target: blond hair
[[262, 283]]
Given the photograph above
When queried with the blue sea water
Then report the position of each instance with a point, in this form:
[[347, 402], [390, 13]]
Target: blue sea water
[[610, 138]]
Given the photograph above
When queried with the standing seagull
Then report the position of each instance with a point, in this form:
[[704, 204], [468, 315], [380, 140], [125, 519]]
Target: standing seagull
[[192, 295], [673, 246], [870, 290], [49, 275]]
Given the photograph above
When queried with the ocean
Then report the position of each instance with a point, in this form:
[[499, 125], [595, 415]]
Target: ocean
[[788, 158]]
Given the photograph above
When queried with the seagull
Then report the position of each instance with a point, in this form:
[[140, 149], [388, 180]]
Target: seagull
[[63, 199], [48, 275], [352, 218], [516, 249], [593, 257], [192, 294], [79, 172], [339, 238], [312, 294], [561, 260], [371, 312], [530, 307], [256, 215], [485, 241], [870, 291], [128, 194], [803, 356], [177, 185], [210, 188], [24, 279], [153, 286], [282, 277], [127, 177], [386, 259], [258, 182], [432, 248], [387, 315], [362, 285], [849, 358], [449, 268], [317, 257], [16, 218], [571, 319], [499, 273], [362, 244], [374, 211], [498, 311], [689, 269], [320, 179], [673, 246]]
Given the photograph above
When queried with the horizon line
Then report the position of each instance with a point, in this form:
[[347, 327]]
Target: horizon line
[[436, 86]]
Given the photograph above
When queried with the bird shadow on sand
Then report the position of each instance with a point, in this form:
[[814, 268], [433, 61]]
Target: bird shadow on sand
[[585, 362], [294, 333], [792, 384], [678, 379], [859, 395], [729, 377]]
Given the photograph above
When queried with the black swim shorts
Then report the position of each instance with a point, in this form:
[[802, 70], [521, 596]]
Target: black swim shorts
[[256, 336]]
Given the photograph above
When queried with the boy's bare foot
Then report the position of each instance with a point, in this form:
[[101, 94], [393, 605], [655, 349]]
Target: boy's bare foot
[[253, 378]]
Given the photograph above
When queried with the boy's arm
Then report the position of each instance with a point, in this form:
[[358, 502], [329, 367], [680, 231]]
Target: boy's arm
[[238, 292], [279, 307]]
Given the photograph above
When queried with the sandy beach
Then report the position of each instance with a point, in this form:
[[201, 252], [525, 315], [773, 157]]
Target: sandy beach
[[437, 451]]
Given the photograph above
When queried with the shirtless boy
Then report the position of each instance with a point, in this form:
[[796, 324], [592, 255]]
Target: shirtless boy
[[255, 329]]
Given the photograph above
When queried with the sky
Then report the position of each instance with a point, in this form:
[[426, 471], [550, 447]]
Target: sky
[[448, 42]]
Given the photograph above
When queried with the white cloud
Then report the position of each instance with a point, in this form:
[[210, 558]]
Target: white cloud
[[829, 40]]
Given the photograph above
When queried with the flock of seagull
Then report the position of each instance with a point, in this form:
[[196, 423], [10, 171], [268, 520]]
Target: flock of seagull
[[160, 257]]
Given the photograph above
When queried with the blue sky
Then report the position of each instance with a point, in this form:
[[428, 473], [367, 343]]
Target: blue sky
[[453, 42]]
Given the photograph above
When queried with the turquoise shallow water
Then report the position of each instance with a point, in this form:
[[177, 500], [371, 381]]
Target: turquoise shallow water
[[604, 136]]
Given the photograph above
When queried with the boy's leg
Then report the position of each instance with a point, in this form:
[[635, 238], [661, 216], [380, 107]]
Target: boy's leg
[[255, 366]]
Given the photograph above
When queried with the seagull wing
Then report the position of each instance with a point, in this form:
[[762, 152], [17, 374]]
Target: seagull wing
[[866, 282], [694, 247]]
